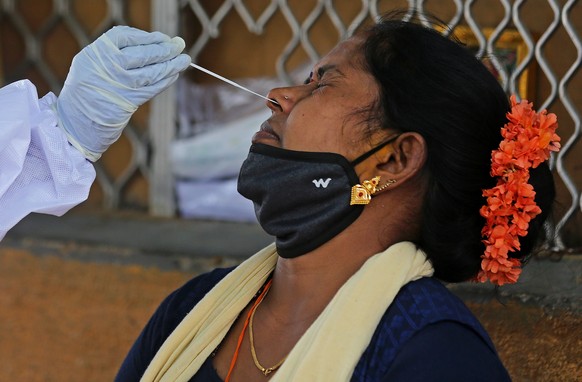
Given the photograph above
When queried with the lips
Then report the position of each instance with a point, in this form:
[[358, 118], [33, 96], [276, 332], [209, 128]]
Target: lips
[[266, 132]]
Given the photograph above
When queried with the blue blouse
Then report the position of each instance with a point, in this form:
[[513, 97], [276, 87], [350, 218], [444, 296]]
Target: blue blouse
[[427, 334]]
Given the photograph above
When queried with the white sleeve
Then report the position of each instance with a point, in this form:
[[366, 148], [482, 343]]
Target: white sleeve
[[39, 170]]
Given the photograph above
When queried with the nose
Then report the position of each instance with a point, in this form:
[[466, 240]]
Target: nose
[[287, 97]]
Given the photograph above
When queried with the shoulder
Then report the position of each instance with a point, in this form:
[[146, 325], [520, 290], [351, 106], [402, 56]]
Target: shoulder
[[165, 319], [196, 288], [446, 351], [427, 301], [423, 302], [422, 307], [180, 302]]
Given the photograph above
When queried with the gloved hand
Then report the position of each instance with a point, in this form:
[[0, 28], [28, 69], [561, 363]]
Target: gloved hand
[[110, 78]]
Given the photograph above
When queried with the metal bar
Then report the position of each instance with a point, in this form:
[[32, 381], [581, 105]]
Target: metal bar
[[162, 121], [575, 115]]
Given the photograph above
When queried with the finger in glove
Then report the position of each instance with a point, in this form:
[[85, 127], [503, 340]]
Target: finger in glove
[[143, 55], [123, 36], [152, 74]]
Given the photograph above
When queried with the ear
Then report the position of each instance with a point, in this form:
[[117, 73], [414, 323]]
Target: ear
[[401, 160]]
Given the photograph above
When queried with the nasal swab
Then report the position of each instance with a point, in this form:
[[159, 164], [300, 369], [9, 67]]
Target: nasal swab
[[231, 82]]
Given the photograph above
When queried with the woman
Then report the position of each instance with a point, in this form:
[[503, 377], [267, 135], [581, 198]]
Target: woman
[[370, 175]]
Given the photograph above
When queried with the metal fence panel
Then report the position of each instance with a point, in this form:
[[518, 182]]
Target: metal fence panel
[[461, 14]]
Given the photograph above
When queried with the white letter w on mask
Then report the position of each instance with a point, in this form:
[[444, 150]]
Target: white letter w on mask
[[321, 183]]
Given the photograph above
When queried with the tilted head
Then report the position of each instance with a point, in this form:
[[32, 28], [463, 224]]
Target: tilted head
[[394, 79]]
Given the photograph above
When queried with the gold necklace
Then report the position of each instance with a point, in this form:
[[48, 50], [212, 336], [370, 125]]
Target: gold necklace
[[265, 370]]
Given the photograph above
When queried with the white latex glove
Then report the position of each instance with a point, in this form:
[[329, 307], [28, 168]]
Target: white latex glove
[[110, 78]]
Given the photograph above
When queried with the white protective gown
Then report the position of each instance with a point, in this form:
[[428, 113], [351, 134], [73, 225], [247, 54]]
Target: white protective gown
[[39, 170]]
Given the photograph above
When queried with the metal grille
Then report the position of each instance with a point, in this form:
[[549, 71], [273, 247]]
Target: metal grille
[[488, 35], [60, 16], [462, 16]]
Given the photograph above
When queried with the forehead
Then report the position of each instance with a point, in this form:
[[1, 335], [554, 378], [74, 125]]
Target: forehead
[[347, 53]]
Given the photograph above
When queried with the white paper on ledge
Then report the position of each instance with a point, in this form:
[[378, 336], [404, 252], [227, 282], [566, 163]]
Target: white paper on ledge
[[214, 199], [217, 153]]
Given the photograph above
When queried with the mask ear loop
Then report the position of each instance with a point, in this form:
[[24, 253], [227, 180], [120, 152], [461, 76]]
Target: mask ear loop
[[362, 193], [374, 150]]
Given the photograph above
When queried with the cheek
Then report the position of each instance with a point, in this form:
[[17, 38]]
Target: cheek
[[318, 132]]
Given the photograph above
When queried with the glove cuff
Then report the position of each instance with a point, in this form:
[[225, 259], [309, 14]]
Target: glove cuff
[[93, 157], [90, 155]]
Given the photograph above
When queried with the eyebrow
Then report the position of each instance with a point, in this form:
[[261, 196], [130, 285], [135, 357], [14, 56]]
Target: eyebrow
[[321, 71]]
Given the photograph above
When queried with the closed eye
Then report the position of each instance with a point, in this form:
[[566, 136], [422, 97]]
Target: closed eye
[[318, 84]]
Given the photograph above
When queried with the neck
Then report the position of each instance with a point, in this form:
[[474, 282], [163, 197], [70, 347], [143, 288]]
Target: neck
[[303, 286]]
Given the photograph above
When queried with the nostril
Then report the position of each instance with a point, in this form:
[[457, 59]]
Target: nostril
[[274, 105], [279, 99]]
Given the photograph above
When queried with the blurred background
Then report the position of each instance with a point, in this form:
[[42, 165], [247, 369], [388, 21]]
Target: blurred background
[[164, 206], [532, 46]]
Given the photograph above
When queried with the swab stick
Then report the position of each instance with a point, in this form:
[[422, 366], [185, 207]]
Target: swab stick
[[231, 82]]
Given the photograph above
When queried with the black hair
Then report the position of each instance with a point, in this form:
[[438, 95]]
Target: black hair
[[433, 85]]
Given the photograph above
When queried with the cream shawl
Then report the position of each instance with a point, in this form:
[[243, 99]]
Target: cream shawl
[[328, 351]]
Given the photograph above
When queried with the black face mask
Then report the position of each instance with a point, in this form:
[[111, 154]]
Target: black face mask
[[301, 198]]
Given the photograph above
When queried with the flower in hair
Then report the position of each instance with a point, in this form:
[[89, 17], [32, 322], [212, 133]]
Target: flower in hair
[[528, 140]]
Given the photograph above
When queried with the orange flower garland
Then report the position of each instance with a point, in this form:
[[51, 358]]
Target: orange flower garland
[[529, 137]]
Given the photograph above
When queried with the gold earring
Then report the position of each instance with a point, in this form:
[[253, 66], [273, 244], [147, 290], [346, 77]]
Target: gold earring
[[362, 193], [388, 183]]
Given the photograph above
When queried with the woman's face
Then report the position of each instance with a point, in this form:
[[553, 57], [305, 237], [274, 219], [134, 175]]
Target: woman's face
[[321, 115]]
